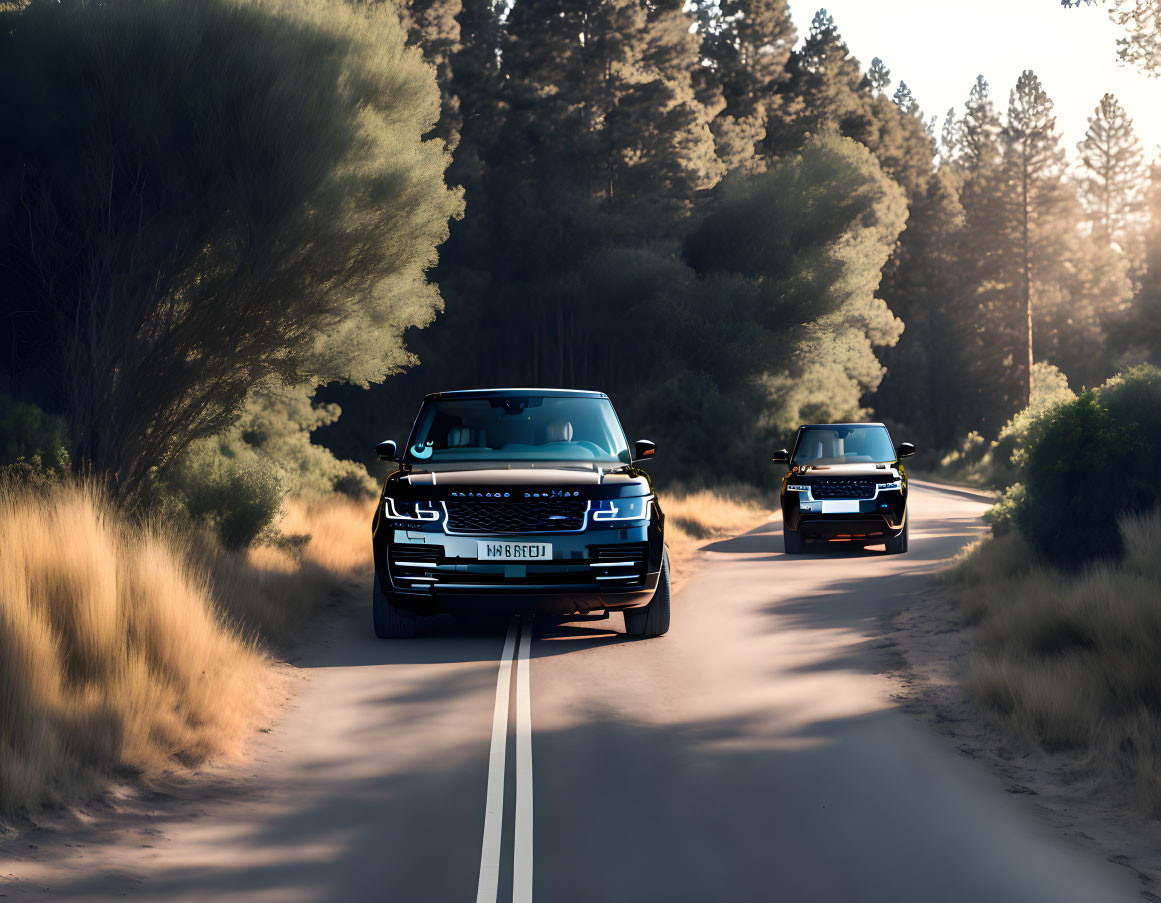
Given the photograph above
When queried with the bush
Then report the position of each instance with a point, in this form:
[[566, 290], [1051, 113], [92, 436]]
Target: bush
[[999, 464], [237, 494], [32, 444], [1002, 517], [1090, 462]]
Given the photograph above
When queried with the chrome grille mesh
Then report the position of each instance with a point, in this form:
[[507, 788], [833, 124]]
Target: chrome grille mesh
[[516, 516]]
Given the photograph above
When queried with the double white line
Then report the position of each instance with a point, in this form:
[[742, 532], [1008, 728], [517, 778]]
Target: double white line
[[494, 807]]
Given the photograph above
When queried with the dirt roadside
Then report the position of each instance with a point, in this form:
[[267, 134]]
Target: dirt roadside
[[932, 648]]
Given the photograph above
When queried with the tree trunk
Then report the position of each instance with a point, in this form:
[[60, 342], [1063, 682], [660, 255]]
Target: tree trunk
[[1027, 274]]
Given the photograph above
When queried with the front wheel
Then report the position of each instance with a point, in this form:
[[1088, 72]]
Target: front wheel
[[791, 541], [391, 623], [896, 545], [652, 619]]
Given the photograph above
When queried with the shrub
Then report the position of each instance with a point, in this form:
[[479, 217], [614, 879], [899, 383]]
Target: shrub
[[235, 493], [1090, 462], [32, 444], [1002, 516], [999, 464]]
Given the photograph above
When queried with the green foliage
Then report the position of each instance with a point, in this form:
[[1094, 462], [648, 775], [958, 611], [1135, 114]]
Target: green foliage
[[256, 201], [1094, 460], [276, 424], [812, 235], [999, 464], [228, 489], [27, 432], [1002, 516], [235, 483], [33, 450]]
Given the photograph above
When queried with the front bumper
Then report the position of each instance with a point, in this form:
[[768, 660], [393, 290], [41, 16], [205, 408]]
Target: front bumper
[[429, 572], [871, 519]]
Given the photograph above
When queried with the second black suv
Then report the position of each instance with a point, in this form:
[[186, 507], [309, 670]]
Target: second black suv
[[519, 500], [846, 482]]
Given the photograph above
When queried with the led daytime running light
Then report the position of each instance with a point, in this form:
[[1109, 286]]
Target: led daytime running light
[[613, 512], [392, 512]]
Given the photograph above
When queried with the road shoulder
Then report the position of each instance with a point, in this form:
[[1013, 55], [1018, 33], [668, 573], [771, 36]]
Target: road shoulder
[[933, 648]]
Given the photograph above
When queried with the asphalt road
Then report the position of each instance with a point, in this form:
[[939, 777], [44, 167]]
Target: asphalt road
[[753, 754]]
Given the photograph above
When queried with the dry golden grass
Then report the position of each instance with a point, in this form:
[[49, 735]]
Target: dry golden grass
[[695, 518], [1074, 661], [269, 590], [129, 650]]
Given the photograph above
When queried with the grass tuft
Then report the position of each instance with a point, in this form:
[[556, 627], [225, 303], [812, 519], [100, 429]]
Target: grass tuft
[[694, 517], [129, 650], [1073, 661]]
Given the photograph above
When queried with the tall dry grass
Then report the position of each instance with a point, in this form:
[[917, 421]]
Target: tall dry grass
[[131, 650], [693, 518], [1073, 662], [268, 591]]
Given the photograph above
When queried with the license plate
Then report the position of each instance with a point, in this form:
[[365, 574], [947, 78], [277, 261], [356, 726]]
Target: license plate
[[841, 507], [514, 551]]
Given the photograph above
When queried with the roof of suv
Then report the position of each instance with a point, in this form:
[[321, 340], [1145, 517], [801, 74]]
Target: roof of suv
[[491, 393], [826, 425]]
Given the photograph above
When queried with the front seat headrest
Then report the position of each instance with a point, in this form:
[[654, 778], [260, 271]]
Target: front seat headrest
[[458, 437], [560, 431]]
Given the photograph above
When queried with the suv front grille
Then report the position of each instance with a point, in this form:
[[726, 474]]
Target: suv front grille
[[843, 489], [524, 516]]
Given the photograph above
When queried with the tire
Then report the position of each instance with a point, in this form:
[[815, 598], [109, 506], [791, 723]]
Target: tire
[[391, 623], [652, 619], [897, 545], [792, 541]]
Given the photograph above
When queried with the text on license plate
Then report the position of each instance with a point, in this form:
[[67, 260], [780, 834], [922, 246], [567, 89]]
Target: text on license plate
[[514, 551]]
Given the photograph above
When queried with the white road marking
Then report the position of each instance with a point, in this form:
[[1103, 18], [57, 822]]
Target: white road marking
[[494, 806], [522, 852]]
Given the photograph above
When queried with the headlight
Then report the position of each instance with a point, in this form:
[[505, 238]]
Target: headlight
[[622, 509], [887, 487], [797, 487], [396, 509]]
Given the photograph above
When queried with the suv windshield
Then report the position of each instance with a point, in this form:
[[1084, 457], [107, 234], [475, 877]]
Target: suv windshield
[[849, 444], [524, 428]]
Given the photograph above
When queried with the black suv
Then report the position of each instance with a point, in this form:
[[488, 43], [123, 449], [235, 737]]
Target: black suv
[[519, 500], [846, 482]]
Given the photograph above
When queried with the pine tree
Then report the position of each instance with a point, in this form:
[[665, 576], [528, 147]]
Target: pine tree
[[978, 137], [878, 77], [746, 44], [1112, 169], [949, 137], [904, 99], [1144, 322], [826, 91], [1033, 164]]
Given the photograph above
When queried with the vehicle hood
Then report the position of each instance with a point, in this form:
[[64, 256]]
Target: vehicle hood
[[550, 482], [878, 472]]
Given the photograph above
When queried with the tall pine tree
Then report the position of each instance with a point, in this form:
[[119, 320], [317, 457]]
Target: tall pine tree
[[1112, 170], [1033, 163]]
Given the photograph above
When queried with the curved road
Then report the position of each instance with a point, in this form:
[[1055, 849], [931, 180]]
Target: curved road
[[753, 754]]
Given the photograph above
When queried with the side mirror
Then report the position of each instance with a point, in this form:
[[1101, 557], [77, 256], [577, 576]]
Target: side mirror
[[905, 449], [643, 450], [387, 451], [782, 456]]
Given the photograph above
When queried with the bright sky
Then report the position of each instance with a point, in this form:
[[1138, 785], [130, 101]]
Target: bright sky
[[939, 47]]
